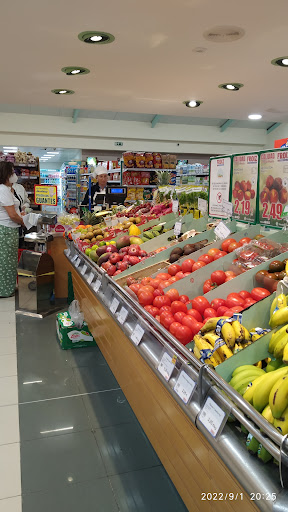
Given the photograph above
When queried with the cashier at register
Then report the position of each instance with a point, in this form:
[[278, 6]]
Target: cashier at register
[[98, 188]]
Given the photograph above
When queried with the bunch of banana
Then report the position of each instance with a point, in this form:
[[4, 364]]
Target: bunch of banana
[[279, 311], [245, 375], [278, 345]]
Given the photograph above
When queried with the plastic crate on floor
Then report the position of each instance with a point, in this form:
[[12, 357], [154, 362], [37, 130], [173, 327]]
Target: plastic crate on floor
[[71, 336]]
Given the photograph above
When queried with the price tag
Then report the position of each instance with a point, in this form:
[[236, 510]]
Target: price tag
[[184, 387], [114, 222], [122, 315], [68, 253], [175, 206], [177, 228], [202, 205], [212, 416], [166, 365], [77, 262], [90, 278], [83, 271], [97, 285], [74, 257], [222, 231], [114, 305], [137, 334], [227, 207]]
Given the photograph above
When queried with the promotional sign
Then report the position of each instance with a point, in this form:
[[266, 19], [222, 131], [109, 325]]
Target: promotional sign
[[244, 187], [45, 194], [219, 185], [281, 143], [273, 187]]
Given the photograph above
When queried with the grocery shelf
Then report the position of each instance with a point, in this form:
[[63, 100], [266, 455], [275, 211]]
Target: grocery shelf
[[140, 186], [145, 169], [29, 177], [26, 165]]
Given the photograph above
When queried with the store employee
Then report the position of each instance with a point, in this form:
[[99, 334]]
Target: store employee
[[99, 188]]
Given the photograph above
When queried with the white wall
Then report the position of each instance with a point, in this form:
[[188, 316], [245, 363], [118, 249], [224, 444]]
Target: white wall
[[87, 133]]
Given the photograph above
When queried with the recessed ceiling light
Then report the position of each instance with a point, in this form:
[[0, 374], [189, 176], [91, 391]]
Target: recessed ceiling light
[[75, 70], [280, 61], [255, 117], [52, 153], [62, 91], [96, 37], [192, 103], [232, 86]]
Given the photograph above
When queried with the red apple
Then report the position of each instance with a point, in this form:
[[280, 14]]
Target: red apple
[[240, 195], [283, 196], [122, 265], [249, 186], [244, 186], [252, 192], [247, 195], [133, 260], [114, 258], [235, 192], [264, 196], [134, 250], [237, 185], [273, 196], [269, 182], [111, 270], [277, 183]]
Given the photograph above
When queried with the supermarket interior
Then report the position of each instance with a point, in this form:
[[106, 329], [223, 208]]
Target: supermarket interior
[[144, 257]]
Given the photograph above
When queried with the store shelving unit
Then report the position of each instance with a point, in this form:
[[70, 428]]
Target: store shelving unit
[[28, 180]]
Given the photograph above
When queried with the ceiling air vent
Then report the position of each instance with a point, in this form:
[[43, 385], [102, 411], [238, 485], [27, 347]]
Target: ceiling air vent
[[224, 34]]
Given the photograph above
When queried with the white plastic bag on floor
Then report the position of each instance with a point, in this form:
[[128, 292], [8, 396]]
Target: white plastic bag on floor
[[75, 313]]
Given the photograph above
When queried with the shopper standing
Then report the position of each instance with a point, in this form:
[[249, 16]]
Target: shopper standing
[[10, 221], [22, 197]]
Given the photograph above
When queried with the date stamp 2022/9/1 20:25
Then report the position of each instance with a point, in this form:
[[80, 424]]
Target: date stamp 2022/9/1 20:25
[[233, 496]]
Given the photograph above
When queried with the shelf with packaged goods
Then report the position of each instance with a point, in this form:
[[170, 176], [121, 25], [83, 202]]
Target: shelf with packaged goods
[[31, 166], [23, 177], [250, 474], [147, 169], [140, 186]]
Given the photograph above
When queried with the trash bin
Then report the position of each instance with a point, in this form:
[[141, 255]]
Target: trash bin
[[35, 284]]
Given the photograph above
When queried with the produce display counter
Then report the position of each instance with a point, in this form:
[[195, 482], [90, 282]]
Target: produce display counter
[[209, 471]]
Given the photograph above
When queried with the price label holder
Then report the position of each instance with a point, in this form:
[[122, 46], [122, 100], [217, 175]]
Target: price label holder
[[202, 205], [74, 257], [114, 305], [122, 315], [90, 278], [97, 285], [184, 387], [177, 228], [77, 262], [83, 270], [175, 206], [222, 231], [167, 365], [227, 207], [137, 334], [212, 417], [68, 253]]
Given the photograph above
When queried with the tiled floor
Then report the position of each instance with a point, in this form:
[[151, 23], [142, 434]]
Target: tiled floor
[[81, 445]]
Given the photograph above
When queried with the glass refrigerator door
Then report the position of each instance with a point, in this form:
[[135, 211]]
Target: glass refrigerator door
[[55, 177]]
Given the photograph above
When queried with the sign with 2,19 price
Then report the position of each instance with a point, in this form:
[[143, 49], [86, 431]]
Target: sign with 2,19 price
[[45, 194], [273, 187], [244, 187]]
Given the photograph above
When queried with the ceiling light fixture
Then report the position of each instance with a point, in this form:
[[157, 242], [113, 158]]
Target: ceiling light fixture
[[255, 117], [10, 147], [230, 86], [52, 153], [75, 70], [96, 37], [192, 103], [280, 61], [62, 91]]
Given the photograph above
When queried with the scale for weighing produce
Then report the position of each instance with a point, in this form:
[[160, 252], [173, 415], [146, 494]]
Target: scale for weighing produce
[[36, 273]]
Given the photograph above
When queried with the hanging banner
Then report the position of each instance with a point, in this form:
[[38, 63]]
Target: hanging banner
[[45, 194], [244, 187], [273, 187], [219, 185]]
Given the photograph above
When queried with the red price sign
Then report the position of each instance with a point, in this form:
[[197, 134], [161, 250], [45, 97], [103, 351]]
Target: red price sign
[[242, 207], [272, 211]]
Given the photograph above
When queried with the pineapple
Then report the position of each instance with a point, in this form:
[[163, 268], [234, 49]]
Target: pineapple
[[89, 218]]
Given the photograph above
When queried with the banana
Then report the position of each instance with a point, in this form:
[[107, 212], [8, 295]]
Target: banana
[[273, 365], [239, 331], [282, 423], [245, 377], [263, 454], [279, 348], [275, 338], [252, 444], [248, 395], [278, 398], [206, 351], [228, 335], [279, 302], [247, 336], [258, 365], [237, 348], [262, 391], [223, 351], [255, 336], [267, 414], [196, 352], [280, 317], [285, 354], [210, 325], [242, 369]]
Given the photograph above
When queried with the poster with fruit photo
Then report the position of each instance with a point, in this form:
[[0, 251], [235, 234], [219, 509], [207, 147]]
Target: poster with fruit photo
[[273, 187], [219, 185], [244, 187]]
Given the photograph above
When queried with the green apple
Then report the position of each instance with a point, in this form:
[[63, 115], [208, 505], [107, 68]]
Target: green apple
[[87, 252], [95, 247]]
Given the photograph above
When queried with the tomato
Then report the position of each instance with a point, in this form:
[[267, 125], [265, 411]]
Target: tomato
[[221, 311], [185, 274], [212, 252], [160, 301], [233, 246], [179, 275], [195, 314], [229, 278], [205, 258], [184, 334], [158, 292], [166, 319], [208, 286], [146, 288], [216, 303], [152, 310], [184, 298], [155, 283], [173, 327], [259, 276], [187, 265], [245, 240], [232, 301], [192, 323], [173, 269], [173, 294], [218, 277], [145, 298], [225, 244], [164, 308], [237, 309], [220, 255], [200, 304], [197, 265], [209, 313], [162, 276], [244, 294], [179, 316], [249, 302], [163, 285], [146, 280], [259, 293], [135, 287], [130, 280], [229, 313], [177, 305], [173, 279], [230, 273]]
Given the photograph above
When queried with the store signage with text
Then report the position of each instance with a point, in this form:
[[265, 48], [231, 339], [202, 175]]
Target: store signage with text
[[45, 194]]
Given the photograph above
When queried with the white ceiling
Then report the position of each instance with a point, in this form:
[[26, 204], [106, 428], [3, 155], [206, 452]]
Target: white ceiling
[[152, 66]]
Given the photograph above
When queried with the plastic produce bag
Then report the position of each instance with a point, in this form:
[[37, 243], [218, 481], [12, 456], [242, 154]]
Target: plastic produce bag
[[75, 313]]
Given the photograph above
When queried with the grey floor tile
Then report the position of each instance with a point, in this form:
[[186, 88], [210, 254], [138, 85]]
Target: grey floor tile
[[89, 497], [57, 461], [110, 408], [125, 448], [96, 378], [148, 489], [42, 384], [52, 417], [85, 357]]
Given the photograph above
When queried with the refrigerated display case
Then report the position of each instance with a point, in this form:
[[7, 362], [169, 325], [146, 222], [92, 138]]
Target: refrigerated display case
[[72, 174], [58, 178]]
